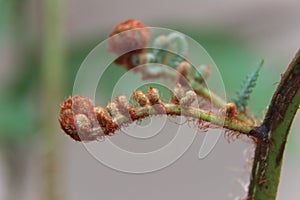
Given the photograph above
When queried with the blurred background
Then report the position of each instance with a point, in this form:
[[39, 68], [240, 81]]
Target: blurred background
[[43, 43]]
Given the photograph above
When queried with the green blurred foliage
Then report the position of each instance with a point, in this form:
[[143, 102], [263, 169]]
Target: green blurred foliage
[[18, 103], [17, 119], [5, 17]]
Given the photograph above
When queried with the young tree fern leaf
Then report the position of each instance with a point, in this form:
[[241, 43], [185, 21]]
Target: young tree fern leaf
[[243, 96], [83, 121]]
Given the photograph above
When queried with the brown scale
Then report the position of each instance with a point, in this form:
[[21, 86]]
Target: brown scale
[[154, 99], [177, 94], [140, 98], [105, 121], [123, 105]]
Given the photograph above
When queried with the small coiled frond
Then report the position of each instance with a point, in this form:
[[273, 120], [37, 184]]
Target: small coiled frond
[[170, 49]]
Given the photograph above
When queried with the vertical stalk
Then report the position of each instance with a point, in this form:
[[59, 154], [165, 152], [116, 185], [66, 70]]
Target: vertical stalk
[[13, 149], [52, 74], [273, 134]]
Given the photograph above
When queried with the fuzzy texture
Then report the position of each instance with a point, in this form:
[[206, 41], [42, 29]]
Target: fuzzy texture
[[231, 110], [77, 118], [85, 122]]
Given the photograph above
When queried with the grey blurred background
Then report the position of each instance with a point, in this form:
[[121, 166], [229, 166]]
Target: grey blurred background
[[42, 44]]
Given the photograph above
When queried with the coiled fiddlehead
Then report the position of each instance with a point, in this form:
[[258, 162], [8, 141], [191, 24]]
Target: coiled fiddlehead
[[84, 122]]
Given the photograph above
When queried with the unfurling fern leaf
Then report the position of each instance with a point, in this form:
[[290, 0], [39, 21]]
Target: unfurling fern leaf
[[243, 96]]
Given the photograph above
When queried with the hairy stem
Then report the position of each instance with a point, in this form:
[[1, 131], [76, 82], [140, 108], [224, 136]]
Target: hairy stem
[[177, 110], [203, 91], [273, 134]]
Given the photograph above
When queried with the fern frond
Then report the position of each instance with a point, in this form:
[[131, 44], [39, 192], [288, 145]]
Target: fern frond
[[83, 121], [243, 96]]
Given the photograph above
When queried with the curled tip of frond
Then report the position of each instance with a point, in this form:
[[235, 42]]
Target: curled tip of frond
[[127, 40], [124, 37], [77, 116]]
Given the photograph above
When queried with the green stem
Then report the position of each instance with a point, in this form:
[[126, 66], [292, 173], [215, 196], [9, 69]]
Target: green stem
[[52, 87], [218, 101], [273, 134], [177, 110], [211, 96]]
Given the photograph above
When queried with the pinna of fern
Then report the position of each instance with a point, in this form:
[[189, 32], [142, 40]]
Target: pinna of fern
[[243, 96]]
